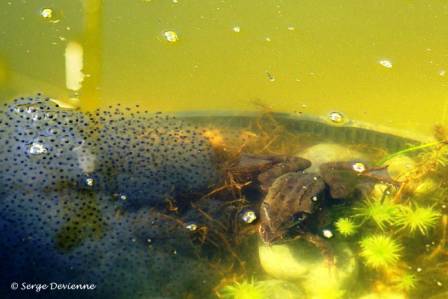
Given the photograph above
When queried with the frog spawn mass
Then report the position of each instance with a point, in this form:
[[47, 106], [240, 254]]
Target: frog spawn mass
[[77, 192]]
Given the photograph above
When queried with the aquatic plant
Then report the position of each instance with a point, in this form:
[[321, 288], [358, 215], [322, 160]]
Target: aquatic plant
[[410, 150], [382, 212], [416, 218], [379, 251], [406, 281], [243, 290], [346, 227]]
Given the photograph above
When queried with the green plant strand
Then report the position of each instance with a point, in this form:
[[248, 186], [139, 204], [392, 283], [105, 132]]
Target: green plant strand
[[408, 150]]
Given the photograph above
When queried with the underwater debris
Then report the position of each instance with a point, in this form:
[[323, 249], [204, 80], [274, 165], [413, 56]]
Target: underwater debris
[[379, 251], [415, 218], [346, 227]]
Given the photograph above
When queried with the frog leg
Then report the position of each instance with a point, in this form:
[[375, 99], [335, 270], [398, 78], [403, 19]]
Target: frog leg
[[287, 164], [323, 246]]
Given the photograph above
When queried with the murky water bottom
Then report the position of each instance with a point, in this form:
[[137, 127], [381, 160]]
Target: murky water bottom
[[123, 203]]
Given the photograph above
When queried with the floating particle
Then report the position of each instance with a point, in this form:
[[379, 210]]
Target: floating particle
[[314, 198], [270, 76], [236, 29], [171, 36], [123, 197], [442, 73], [46, 13], [249, 216], [191, 227], [336, 117], [386, 63], [359, 167], [37, 149], [327, 233], [268, 39], [291, 28]]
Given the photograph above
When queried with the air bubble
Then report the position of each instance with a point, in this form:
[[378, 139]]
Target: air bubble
[[191, 227], [336, 117], [37, 148], [328, 234], [359, 167], [249, 216], [46, 13], [90, 182], [171, 36]]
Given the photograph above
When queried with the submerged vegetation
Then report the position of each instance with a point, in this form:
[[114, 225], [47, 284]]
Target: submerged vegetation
[[389, 233], [406, 282], [243, 290], [380, 211], [396, 228], [345, 226], [380, 251], [416, 218]]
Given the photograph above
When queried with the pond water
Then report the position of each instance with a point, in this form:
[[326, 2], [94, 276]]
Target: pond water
[[223, 149]]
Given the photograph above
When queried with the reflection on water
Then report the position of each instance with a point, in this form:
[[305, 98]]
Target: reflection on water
[[388, 57], [224, 203]]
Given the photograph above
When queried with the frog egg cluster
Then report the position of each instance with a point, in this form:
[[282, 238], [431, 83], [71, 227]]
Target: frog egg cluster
[[146, 156], [80, 197], [37, 139]]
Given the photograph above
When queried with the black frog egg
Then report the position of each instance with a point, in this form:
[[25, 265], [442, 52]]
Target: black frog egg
[[151, 156], [67, 180], [38, 140]]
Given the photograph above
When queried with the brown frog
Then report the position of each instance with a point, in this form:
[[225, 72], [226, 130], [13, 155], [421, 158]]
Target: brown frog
[[293, 196], [291, 199]]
